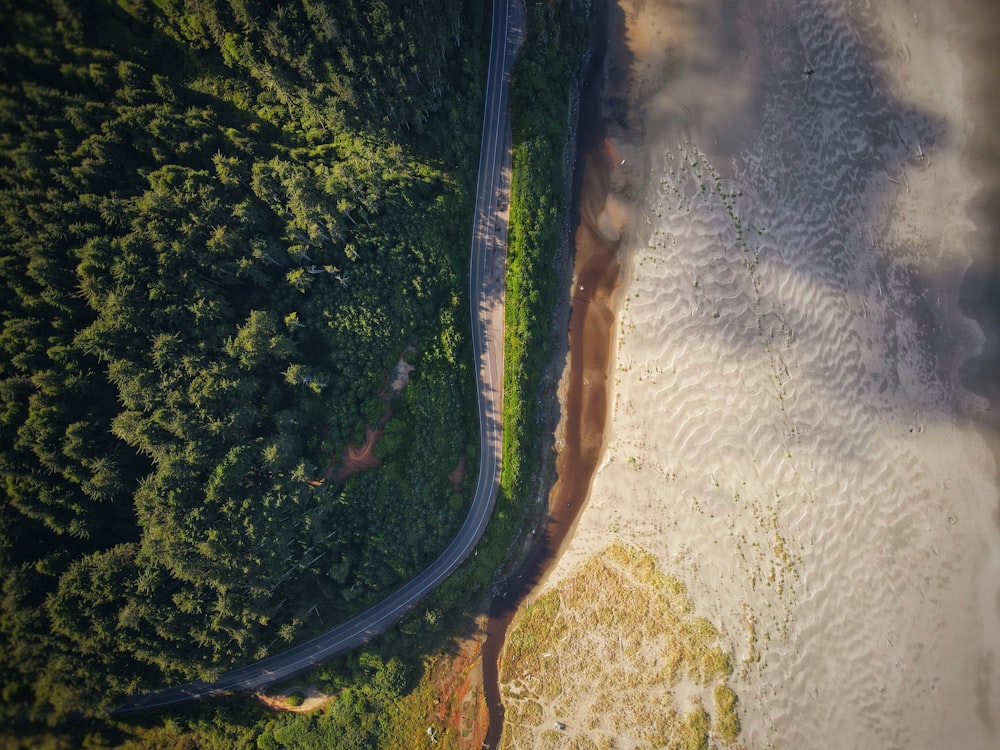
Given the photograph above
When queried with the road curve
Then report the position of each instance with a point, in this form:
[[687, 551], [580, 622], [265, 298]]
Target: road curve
[[489, 242]]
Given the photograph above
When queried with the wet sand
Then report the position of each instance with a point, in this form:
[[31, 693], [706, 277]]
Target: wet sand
[[800, 419]]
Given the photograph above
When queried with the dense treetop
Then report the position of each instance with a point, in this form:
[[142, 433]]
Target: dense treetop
[[223, 223]]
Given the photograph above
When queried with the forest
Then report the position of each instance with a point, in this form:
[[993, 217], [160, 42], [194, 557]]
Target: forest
[[224, 224]]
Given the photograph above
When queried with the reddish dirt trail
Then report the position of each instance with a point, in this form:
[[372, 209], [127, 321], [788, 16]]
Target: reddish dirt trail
[[313, 700], [354, 459], [457, 476], [458, 684]]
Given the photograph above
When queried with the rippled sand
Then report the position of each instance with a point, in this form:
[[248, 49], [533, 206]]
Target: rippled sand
[[787, 431]]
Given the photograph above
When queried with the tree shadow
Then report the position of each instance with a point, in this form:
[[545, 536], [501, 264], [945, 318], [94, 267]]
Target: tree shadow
[[805, 146]]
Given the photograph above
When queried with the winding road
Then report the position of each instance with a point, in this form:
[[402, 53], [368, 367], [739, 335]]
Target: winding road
[[488, 254]]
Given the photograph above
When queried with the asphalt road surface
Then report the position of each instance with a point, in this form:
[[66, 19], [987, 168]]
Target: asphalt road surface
[[489, 244]]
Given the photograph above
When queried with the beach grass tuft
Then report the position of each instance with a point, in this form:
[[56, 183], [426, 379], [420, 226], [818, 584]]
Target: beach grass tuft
[[616, 654]]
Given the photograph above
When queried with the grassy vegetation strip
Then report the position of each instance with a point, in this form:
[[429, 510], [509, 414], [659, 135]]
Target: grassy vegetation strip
[[616, 654], [540, 112]]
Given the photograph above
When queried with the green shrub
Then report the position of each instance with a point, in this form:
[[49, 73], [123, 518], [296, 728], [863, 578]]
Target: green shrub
[[727, 723]]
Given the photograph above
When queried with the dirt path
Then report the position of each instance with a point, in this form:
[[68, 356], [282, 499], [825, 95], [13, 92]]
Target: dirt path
[[457, 476], [313, 700], [354, 459], [458, 685]]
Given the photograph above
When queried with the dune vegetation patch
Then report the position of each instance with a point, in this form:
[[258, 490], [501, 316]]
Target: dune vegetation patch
[[616, 656]]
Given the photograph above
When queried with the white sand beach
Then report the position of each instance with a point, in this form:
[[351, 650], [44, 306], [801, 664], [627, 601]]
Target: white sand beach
[[787, 433]]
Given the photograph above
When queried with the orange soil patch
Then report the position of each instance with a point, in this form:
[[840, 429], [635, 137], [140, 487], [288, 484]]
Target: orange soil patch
[[457, 475], [314, 700], [358, 459], [470, 716], [460, 705], [354, 459]]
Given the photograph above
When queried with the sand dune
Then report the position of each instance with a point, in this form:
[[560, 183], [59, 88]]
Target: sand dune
[[787, 433]]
